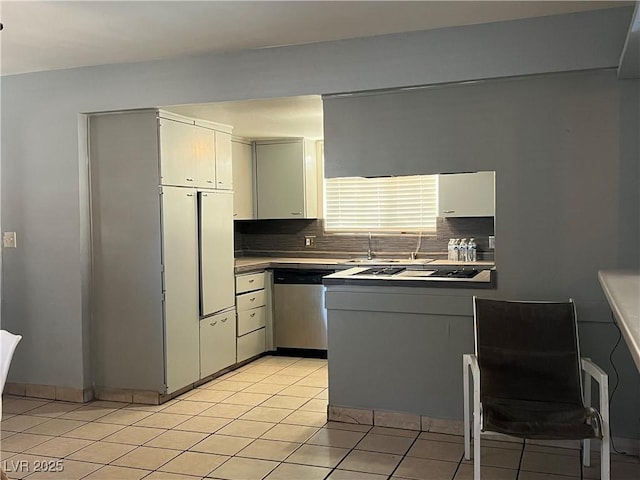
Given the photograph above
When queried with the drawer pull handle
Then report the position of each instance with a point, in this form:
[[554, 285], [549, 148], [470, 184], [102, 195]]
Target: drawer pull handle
[[189, 194], [209, 181], [252, 299], [189, 179], [224, 319], [296, 213], [253, 314], [449, 211], [252, 280], [213, 323]]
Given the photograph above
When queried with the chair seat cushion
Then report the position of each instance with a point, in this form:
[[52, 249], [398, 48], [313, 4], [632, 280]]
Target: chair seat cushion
[[540, 420]]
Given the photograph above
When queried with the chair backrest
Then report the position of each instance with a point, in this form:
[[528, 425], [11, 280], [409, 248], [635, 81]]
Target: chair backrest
[[8, 343], [528, 350]]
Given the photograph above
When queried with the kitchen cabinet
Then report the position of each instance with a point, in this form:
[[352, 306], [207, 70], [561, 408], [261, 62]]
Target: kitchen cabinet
[[162, 258], [215, 143], [251, 301], [216, 244], [180, 279], [286, 179], [243, 178], [194, 153], [178, 162], [466, 195], [217, 343]]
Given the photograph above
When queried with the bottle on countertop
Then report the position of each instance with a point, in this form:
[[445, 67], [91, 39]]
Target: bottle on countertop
[[450, 249], [462, 253], [472, 251]]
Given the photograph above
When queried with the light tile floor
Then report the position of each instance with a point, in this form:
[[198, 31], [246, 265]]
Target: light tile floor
[[266, 420]]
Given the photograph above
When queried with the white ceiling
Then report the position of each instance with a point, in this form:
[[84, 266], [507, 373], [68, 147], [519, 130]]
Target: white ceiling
[[52, 35]]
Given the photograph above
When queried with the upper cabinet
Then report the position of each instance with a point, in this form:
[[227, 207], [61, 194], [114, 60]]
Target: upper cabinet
[[215, 140], [243, 197], [466, 195], [286, 179], [194, 153]]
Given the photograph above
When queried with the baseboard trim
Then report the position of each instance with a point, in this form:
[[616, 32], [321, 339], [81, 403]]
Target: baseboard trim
[[49, 392]]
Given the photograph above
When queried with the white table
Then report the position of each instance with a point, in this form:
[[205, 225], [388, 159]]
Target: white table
[[622, 289]]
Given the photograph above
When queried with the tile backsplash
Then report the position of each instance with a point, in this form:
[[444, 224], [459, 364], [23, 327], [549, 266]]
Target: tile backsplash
[[286, 237]]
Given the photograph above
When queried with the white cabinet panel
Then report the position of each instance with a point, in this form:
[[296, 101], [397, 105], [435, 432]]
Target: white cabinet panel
[[216, 252], [250, 300], [250, 320], [466, 195], [204, 150], [251, 344], [177, 153], [180, 260], [250, 282], [217, 343], [223, 165], [243, 197], [286, 180]]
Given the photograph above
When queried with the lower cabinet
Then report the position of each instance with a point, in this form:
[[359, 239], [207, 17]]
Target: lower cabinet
[[217, 343], [251, 344], [252, 314]]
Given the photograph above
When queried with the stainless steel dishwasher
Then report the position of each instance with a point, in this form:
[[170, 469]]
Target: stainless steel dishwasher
[[300, 318]]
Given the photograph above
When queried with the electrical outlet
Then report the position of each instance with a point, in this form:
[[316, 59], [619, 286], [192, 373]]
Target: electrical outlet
[[492, 242], [9, 240], [309, 241]]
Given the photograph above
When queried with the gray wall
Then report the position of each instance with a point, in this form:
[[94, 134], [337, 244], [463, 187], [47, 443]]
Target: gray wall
[[566, 151], [44, 177]]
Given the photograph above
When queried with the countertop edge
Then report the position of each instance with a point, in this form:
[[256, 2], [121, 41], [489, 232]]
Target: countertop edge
[[607, 280]]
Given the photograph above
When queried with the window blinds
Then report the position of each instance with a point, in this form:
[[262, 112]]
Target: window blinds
[[387, 204]]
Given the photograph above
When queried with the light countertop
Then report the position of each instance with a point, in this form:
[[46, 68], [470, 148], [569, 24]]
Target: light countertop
[[247, 264], [622, 289]]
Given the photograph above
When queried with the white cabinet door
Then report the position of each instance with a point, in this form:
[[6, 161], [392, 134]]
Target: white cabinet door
[[180, 262], [242, 158], [204, 151], [217, 279], [177, 159], [280, 180], [466, 195], [217, 343], [224, 175]]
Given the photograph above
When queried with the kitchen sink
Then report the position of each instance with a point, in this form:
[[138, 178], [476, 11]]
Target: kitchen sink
[[388, 261]]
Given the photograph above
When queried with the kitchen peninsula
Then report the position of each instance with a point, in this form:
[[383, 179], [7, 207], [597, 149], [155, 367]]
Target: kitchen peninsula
[[395, 350]]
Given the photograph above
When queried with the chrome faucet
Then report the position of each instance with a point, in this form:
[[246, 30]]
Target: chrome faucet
[[369, 252]]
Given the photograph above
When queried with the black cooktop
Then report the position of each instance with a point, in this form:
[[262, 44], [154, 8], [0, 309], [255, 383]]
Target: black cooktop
[[455, 273], [381, 271]]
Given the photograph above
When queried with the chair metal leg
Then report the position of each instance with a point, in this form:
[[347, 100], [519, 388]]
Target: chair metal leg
[[467, 426], [586, 443], [602, 378], [476, 433]]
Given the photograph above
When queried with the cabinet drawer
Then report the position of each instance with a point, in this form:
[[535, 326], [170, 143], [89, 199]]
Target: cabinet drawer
[[251, 344], [250, 320], [217, 343], [247, 283], [250, 300]]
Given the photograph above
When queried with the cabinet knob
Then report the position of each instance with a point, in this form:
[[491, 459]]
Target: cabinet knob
[[253, 314], [252, 280], [235, 214], [205, 194], [221, 182], [189, 179], [209, 181], [224, 319], [252, 299], [213, 323], [189, 194]]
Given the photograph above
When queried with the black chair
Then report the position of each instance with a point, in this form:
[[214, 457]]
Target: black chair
[[527, 378]]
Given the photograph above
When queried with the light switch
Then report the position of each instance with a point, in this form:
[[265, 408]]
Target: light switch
[[9, 240]]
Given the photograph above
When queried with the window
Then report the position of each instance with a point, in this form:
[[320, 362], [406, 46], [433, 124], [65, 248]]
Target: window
[[383, 204]]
